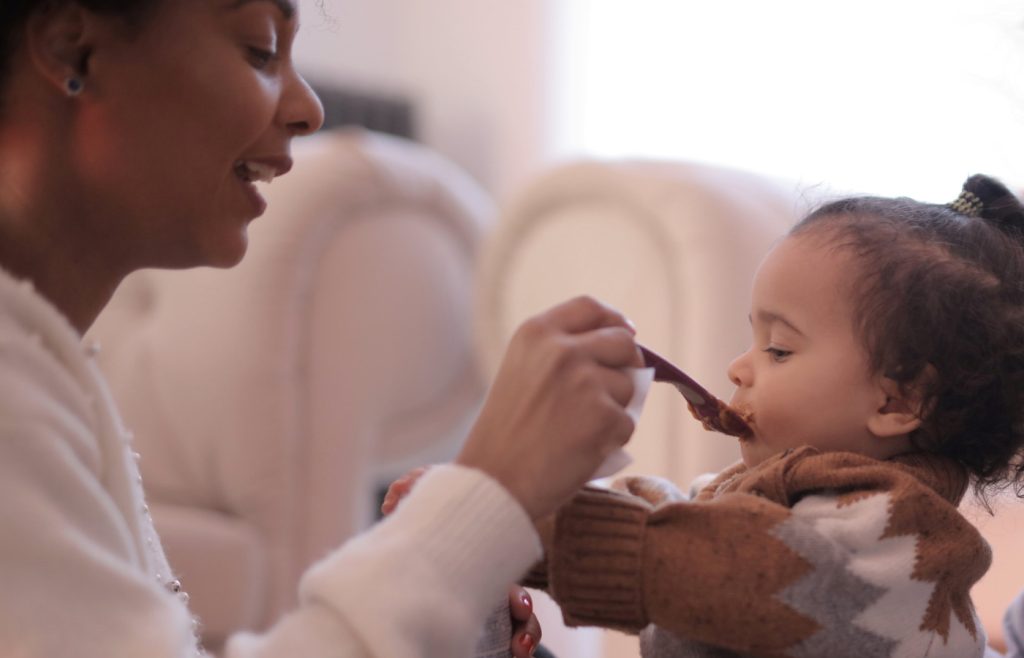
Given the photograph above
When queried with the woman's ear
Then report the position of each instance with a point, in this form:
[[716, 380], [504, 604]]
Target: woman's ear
[[57, 43], [899, 412]]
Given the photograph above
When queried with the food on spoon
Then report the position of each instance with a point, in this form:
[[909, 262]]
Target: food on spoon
[[713, 414]]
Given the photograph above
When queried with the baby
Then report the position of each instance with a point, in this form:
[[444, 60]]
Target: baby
[[885, 377]]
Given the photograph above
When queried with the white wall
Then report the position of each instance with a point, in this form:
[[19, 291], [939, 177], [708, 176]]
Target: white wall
[[480, 71], [893, 97], [492, 91]]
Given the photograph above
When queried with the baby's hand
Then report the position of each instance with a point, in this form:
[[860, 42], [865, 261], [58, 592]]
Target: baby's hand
[[400, 488]]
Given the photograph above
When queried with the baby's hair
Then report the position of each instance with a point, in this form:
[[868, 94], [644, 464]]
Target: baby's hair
[[939, 305]]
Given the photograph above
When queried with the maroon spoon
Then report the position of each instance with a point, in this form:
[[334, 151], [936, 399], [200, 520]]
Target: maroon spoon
[[714, 414]]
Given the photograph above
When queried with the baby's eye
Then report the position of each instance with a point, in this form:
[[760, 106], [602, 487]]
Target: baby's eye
[[776, 353]]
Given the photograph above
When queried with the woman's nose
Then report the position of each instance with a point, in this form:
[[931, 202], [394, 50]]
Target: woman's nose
[[301, 109]]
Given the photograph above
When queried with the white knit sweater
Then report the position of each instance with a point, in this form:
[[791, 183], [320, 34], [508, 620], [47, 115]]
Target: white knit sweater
[[82, 572]]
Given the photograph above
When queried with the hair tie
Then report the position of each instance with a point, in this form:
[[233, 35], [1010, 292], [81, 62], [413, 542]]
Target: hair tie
[[968, 204]]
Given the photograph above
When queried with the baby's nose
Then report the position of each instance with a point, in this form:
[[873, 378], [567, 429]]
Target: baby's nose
[[739, 371]]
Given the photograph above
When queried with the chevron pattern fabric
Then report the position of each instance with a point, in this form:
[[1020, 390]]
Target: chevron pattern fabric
[[807, 555]]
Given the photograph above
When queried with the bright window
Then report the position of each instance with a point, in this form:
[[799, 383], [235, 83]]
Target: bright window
[[902, 97]]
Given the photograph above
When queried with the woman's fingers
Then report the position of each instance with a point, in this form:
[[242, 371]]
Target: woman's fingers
[[520, 603], [584, 313], [556, 407], [526, 629], [613, 347], [616, 354]]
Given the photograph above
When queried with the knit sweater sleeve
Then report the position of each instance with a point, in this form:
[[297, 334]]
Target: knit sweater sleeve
[[809, 555]]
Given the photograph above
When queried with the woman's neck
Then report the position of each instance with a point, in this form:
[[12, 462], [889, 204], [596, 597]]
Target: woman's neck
[[63, 278], [50, 231]]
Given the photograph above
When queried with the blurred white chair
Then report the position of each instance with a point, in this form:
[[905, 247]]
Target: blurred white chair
[[674, 246], [270, 401]]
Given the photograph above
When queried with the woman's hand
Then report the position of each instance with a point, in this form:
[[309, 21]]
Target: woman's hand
[[557, 406], [526, 629]]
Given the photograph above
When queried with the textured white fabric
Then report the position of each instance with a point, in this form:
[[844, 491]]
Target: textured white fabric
[[620, 459], [83, 573], [884, 564]]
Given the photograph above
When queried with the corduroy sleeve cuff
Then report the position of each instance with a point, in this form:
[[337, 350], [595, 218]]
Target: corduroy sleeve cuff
[[596, 558], [537, 576]]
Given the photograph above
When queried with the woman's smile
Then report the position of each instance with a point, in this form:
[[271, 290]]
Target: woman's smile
[[250, 171]]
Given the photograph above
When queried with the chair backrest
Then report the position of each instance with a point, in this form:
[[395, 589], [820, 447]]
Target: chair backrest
[[271, 400], [673, 245]]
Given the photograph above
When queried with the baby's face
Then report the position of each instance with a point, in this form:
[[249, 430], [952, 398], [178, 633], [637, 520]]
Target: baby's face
[[805, 378]]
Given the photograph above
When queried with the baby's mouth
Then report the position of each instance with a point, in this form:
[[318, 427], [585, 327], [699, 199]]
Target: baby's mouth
[[745, 426]]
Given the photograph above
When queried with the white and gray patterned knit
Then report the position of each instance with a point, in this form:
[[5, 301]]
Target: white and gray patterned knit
[[496, 640]]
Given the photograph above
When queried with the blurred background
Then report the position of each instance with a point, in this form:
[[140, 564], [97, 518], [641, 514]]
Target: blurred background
[[885, 96], [647, 152], [892, 97]]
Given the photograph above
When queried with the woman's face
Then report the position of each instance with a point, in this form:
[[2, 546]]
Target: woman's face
[[178, 116]]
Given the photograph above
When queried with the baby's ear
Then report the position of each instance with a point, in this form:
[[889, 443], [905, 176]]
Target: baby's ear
[[899, 412]]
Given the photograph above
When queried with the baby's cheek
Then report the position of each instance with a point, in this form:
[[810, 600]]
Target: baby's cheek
[[781, 428]]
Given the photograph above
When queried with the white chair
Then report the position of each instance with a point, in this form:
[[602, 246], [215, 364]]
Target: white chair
[[674, 246], [271, 401]]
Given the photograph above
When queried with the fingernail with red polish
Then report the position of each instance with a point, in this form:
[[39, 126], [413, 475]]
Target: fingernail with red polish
[[527, 641], [525, 598]]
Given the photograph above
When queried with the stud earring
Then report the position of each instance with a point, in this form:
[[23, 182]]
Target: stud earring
[[73, 86]]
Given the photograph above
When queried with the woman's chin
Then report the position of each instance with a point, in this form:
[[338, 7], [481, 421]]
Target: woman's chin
[[228, 252]]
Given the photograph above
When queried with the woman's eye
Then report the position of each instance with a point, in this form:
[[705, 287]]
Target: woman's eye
[[260, 57], [776, 353]]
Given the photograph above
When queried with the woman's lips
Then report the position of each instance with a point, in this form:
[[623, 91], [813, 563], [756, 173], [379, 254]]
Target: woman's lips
[[256, 200], [257, 205]]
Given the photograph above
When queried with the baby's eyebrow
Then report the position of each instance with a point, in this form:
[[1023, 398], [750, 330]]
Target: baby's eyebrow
[[769, 317]]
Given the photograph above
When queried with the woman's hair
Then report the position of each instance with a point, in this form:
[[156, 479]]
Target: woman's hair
[[940, 307], [14, 13]]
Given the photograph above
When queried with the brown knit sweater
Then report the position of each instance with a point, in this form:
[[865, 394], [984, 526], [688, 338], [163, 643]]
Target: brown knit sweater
[[807, 554]]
